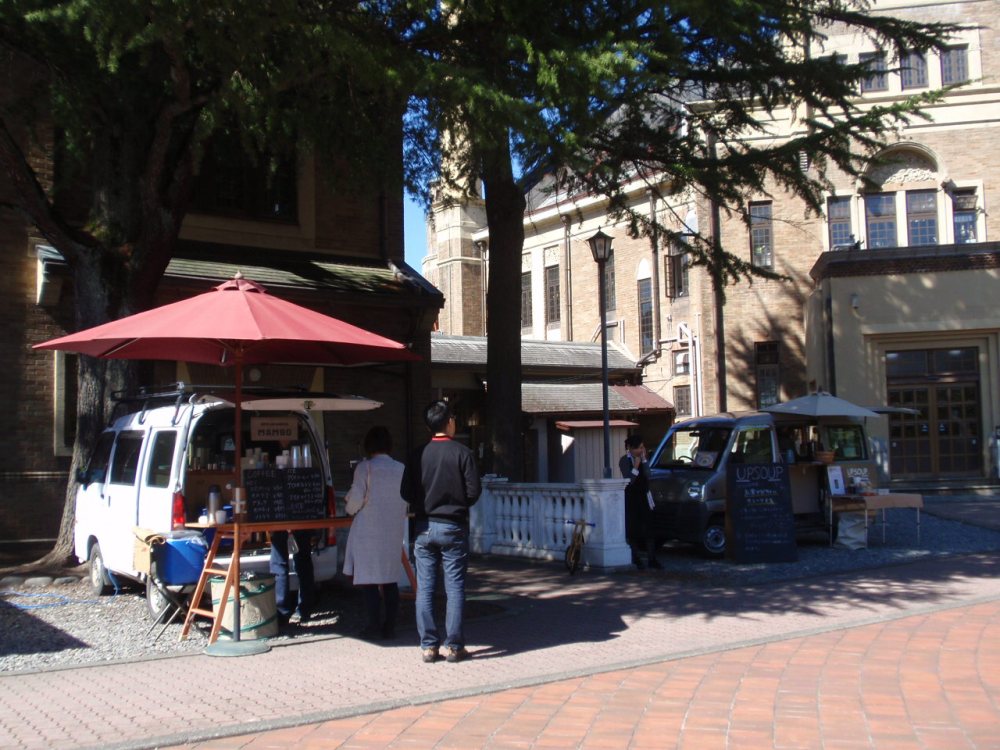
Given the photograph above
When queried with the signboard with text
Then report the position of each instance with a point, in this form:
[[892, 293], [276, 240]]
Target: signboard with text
[[760, 526]]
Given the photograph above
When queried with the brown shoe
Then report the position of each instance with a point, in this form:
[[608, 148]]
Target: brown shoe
[[456, 654], [429, 655]]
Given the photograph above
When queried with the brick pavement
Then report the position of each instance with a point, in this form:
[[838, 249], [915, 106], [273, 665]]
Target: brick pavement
[[925, 681], [654, 633], [553, 631]]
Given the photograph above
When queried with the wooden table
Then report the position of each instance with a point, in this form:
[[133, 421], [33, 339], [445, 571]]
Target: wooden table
[[874, 502], [236, 531]]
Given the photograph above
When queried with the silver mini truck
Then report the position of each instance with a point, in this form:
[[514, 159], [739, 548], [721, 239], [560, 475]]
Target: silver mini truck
[[688, 469]]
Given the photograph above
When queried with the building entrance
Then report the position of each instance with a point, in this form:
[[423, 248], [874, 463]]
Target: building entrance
[[945, 438]]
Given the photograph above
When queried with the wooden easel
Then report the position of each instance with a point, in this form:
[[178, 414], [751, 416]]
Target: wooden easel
[[225, 531]]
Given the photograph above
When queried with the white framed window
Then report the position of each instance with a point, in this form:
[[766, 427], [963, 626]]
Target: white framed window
[[965, 216], [682, 399], [955, 65], [682, 362], [525, 300], [880, 220], [552, 302], [768, 373], [761, 235], [838, 218], [645, 292], [913, 70], [877, 78], [921, 217]]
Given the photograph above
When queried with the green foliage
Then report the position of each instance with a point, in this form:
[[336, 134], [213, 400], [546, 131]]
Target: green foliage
[[134, 89], [697, 111]]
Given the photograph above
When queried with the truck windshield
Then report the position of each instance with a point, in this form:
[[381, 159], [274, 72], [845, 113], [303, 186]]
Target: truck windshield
[[693, 447]]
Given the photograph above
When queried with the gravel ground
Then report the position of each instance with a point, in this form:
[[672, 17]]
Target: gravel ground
[[46, 624]]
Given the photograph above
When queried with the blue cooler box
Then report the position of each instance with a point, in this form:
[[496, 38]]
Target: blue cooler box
[[180, 559]]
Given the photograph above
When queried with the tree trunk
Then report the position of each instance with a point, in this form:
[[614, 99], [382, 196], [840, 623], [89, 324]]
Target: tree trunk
[[98, 297], [505, 217]]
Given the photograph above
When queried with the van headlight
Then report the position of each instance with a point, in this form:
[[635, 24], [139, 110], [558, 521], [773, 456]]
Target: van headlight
[[694, 491]]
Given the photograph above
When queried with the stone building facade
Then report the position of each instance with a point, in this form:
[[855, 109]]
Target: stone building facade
[[845, 320]]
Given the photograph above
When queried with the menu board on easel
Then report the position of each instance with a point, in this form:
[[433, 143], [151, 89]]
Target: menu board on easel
[[760, 525], [284, 494]]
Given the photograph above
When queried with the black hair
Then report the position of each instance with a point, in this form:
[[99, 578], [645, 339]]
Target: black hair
[[378, 440], [436, 415], [633, 441]]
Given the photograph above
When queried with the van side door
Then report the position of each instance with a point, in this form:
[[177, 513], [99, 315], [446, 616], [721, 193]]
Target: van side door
[[121, 494], [159, 478], [91, 512]]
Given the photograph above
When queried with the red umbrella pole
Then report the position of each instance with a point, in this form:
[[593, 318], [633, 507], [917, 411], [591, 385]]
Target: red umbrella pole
[[238, 491]]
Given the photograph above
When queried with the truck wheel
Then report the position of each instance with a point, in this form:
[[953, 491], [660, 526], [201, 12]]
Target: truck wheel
[[156, 602], [100, 583], [713, 538]]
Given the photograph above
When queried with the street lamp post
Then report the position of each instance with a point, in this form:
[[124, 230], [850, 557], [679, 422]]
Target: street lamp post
[[600, 247]]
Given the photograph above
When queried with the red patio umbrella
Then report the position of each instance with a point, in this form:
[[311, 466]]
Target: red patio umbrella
[[235, 324]]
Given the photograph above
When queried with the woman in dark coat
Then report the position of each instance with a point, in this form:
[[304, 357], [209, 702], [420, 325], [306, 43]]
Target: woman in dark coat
[[634, 466]]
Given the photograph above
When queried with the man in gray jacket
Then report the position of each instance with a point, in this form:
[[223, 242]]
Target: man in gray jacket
[[441, 483]]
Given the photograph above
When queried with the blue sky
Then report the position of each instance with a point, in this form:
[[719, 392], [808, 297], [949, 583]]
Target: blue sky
[[414, 234]]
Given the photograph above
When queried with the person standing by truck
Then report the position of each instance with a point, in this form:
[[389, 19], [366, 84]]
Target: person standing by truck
[[634, 466], [441, 483]]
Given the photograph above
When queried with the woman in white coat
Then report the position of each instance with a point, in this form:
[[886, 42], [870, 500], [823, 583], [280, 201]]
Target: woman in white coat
[[376, 538]]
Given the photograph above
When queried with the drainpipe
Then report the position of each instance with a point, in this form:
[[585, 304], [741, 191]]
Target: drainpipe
[[654, 239], [831, 369], [568, 275], [699, 381]]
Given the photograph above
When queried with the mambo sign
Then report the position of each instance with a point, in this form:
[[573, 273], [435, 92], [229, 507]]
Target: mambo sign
[[760, 526], [282, 429]]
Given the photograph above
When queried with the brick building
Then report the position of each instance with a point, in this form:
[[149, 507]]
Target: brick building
[[891, 292], [334, 247]]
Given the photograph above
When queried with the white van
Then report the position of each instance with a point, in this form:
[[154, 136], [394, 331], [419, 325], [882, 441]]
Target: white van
[[154, 466]]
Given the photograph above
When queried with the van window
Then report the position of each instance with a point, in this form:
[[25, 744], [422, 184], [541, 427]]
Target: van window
[[162, 459], [693, 447], [97, 468], [125, 464], [847, 442], [753, 446]]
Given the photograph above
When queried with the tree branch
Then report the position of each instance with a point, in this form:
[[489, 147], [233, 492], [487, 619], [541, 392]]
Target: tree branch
[[32, 201]]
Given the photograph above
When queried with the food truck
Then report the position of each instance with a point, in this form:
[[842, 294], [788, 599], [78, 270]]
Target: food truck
[[168, 462], [688, 469]]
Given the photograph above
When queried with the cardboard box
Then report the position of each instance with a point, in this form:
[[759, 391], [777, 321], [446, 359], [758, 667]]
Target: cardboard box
[[142, 551]]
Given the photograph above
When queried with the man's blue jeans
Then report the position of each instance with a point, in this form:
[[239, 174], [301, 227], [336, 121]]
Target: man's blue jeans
[[285, 600], [441, 545]]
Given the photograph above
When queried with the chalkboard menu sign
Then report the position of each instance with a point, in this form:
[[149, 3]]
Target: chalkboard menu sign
[[760, 526], [285, 494]]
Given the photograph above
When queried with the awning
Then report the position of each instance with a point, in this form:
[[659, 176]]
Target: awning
[[579, 424], [584, 398]]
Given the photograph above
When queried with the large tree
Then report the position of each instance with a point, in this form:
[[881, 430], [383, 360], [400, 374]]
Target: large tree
[[510, 88], [127, 93], [606, 93]]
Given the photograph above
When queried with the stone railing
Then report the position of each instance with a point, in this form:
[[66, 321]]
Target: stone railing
[[536, 520]]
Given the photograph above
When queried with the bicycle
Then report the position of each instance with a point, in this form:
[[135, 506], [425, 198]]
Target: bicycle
[[575, 549]]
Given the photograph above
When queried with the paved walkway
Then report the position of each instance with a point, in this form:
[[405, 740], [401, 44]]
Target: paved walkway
[[907, 656]]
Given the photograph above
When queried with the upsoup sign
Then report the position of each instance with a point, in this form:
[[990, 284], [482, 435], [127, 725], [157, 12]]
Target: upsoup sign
[[760, 526]]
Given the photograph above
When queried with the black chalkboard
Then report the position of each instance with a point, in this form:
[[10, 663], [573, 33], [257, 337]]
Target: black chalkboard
[[305, 496], [284, 494], [760, 526]]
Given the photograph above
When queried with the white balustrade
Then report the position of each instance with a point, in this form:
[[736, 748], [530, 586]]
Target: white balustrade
[[537, 520]]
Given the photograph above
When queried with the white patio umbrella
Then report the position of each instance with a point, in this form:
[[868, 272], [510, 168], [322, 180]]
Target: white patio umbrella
[[821, 405]]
